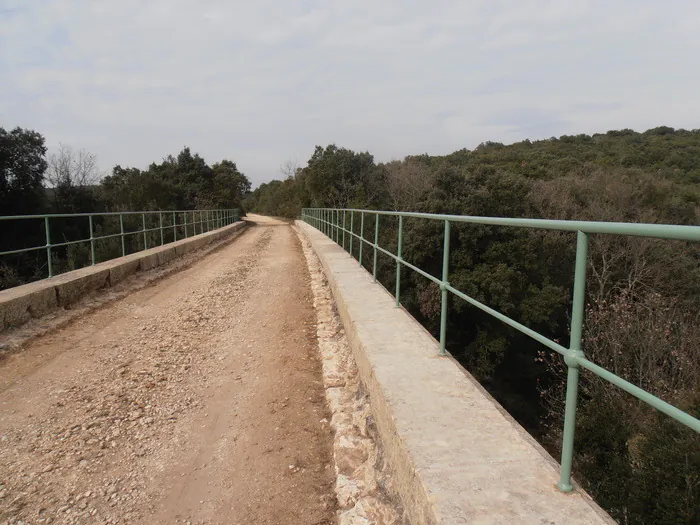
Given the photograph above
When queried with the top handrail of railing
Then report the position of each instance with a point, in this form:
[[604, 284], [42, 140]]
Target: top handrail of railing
[[328, 221], [102, 213], [211, 218], [659, 231]]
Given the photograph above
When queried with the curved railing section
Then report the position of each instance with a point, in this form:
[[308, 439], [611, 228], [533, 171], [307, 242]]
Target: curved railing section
[[332, 222], [188, 222]]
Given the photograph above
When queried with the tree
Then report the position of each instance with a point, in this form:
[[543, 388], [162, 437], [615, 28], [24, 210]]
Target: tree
[[229, 185], [72, 176], [22, 167], [341, 178], [72, 168], [407, 183], [289, 169]]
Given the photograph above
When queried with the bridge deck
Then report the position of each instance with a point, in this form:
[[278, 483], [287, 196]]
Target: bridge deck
[[187, 401]]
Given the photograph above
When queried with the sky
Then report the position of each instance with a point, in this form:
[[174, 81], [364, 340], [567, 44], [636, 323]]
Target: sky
[[261, 82]]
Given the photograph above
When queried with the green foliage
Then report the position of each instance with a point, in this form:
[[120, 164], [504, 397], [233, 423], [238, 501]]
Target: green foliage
[[334, 177], [69, 184], [185, 182], [641, 466], [22, 166], [641, 319]]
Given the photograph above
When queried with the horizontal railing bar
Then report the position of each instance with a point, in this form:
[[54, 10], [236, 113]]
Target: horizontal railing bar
[[387, 252], [22, 250], [659, 231], [421, 272], [574, 358], [405, 263], [507, 320], [68, 243], [108, 236], [642, 395], [106, 213], [97, 238]]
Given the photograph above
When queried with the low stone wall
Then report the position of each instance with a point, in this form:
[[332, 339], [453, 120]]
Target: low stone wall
[[454, 454], [22, 303]]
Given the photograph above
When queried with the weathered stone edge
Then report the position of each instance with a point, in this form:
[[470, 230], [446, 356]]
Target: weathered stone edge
[[22, 303], [408, 482]]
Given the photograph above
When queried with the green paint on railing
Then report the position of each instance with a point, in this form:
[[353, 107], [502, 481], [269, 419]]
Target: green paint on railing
[[219, 218], [573, 356]]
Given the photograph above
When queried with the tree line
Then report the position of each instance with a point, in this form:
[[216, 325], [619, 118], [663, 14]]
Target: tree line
[[641, 322], [68, 182]]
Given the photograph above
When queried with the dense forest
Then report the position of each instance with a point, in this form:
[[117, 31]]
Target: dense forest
[[642, 319], [68, 182]]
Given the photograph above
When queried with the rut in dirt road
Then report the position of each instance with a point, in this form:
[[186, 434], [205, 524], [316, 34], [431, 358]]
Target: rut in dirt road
[[196, 400]]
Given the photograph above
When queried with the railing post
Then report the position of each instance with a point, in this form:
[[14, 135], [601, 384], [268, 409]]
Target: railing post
[[92, 242], [571, 360], [48, 246], [185, 223], [443, 287], [398, 262], [174, 227], [121, 230], [362, 235], [376, 243], [143, 221], [352, 229], [344, 214], [160, 216]]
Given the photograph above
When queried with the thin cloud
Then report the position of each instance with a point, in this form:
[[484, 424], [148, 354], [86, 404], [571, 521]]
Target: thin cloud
[[261, 82]]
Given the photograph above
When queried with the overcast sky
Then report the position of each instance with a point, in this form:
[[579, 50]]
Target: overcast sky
[[263, 81]]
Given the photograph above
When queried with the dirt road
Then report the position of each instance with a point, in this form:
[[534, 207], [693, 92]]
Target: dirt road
[[197, 400]]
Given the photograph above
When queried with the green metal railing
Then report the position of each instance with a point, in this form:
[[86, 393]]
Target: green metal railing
[[201, 221], [328, 221]]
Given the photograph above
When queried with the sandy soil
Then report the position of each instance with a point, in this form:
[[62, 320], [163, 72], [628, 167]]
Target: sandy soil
[[198, 399]]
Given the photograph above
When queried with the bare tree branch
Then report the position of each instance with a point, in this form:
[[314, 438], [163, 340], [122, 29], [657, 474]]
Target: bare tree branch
[[72, 168]]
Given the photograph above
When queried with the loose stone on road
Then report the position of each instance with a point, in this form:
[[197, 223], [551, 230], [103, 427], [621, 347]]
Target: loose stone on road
[[196, 400]]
